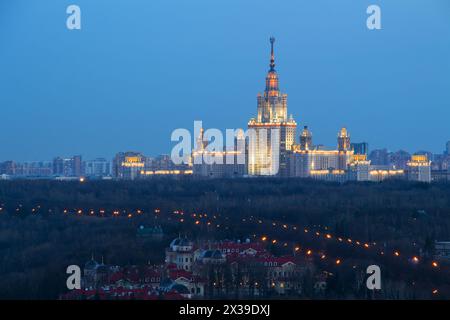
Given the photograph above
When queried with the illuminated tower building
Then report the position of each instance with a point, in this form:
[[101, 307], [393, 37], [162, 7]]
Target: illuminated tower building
[[272, 133], [306, 139], [343, 140], [344, 149]]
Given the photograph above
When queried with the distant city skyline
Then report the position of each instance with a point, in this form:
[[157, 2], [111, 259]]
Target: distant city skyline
[[155, 155], [131, 76]]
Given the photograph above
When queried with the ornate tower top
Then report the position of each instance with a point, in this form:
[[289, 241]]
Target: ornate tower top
[[272, 88], [343, 133], [343, 140], [306, 139]]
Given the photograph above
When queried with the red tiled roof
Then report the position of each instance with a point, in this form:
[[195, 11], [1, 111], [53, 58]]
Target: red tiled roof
[[175, 274]]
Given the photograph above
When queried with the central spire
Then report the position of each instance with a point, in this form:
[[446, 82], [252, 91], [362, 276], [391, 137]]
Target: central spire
[[272, 54], [272, 89]]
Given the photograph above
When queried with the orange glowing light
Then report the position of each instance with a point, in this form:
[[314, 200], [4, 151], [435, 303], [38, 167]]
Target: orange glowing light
[[264, 238], [415, 259], [396, 253], [435, 264], [338, 261], [309, 252]]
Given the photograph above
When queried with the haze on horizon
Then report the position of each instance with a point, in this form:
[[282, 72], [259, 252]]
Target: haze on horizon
[[140, 69]]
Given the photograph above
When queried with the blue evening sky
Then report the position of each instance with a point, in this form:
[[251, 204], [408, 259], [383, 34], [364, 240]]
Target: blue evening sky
[[139, 69]]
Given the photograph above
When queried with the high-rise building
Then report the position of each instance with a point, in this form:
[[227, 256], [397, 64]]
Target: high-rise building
[[34, 169], [447, 148], [360, 148], [8, 168], [67, 167], [399, 160], [379, 157], [77, 168], [99, 167], [344, 149], [272, 132]]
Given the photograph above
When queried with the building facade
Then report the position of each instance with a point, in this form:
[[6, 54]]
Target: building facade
[[307, 160], [67, 167], [227, 163], [128, 165], [419, 168], [99, 167], [360, 148]]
